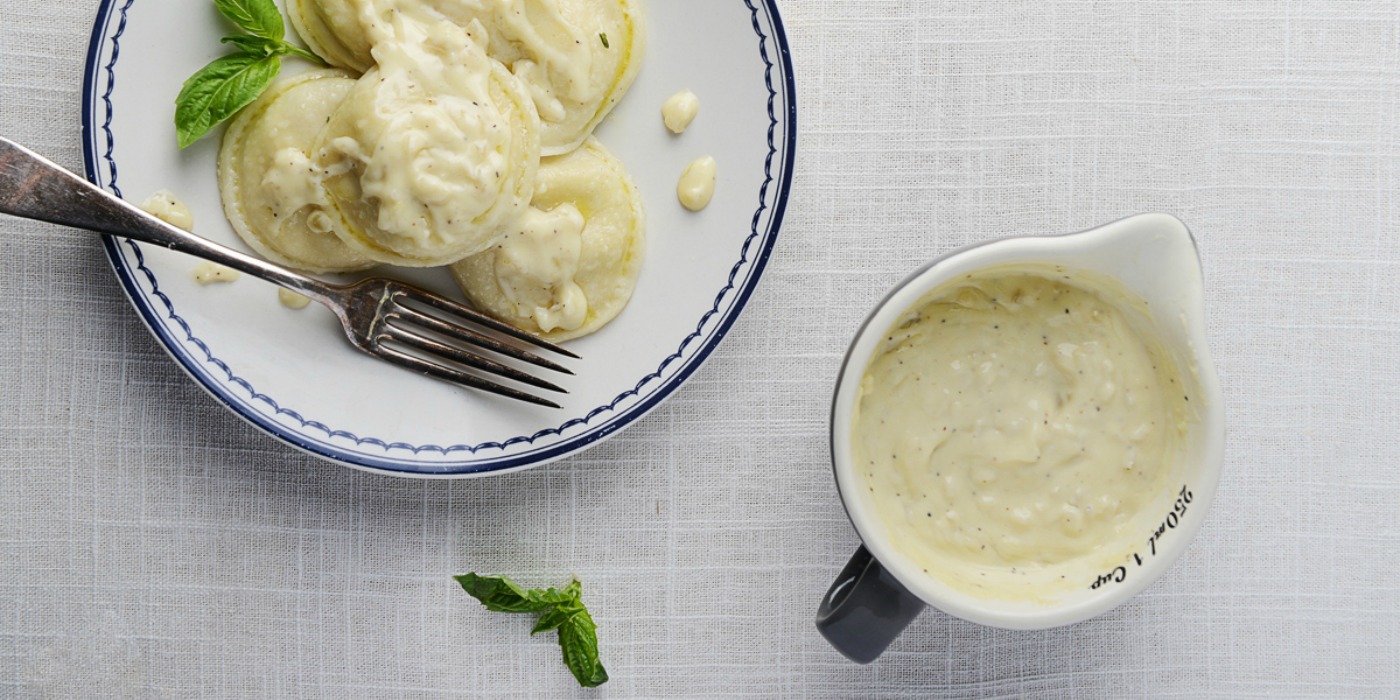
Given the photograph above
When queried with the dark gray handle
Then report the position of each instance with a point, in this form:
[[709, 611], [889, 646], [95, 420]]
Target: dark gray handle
[[865, 609]]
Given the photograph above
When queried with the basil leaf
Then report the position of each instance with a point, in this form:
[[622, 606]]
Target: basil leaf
[[551, 620], [561, 610], [269, 47], [573, 591], [259, 17], [578, 640], [255, 44], [219, 90], [555, 597], [500, 594]]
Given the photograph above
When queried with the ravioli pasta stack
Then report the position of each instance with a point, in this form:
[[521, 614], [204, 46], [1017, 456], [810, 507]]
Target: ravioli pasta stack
[[451, 133]]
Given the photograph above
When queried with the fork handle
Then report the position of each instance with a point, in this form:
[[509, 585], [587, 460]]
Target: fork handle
[[33, 187]]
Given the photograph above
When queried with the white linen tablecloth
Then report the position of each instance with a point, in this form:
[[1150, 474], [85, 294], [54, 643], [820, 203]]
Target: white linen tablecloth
[[154, 545]]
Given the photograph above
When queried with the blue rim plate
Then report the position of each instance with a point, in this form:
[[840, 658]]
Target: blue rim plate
[[312, 391]]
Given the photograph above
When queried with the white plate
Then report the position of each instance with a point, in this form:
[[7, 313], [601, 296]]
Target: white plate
[[292, 374]]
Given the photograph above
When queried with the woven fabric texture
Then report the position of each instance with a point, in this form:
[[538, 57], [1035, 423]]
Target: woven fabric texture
[[154, 545]]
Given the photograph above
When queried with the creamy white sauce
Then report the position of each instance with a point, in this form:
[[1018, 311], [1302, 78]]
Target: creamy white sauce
[[293, 183], [436, 142], [697, 184], [536, 264], [551, 108], [525, 273], [437, 161], [164, 205], [212, 272], [555, 47], [531, 37], [679, 110], [559, 62], [272, 190], [292, 300], [1012, 424]]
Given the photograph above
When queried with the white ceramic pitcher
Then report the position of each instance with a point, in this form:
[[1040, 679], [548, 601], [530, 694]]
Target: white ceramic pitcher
[[880, 591]]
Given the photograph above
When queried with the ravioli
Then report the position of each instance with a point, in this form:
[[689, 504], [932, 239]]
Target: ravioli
[[331, 29], [433, 152], [576, 57], [271, 192], [570, 265]]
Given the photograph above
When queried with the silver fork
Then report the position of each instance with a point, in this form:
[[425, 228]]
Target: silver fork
[[391, 320]]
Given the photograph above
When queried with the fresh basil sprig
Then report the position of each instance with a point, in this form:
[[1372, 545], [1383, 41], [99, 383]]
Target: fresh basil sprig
[[257, 17], [230, 82], [561, 610]]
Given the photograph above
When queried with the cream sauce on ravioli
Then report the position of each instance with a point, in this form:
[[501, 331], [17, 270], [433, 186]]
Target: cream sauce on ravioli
[[575, 57], [569, 266], [434, 152]]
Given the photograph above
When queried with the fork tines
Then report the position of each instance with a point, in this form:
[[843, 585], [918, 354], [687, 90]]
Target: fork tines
[[438, 329], [467, 313]]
